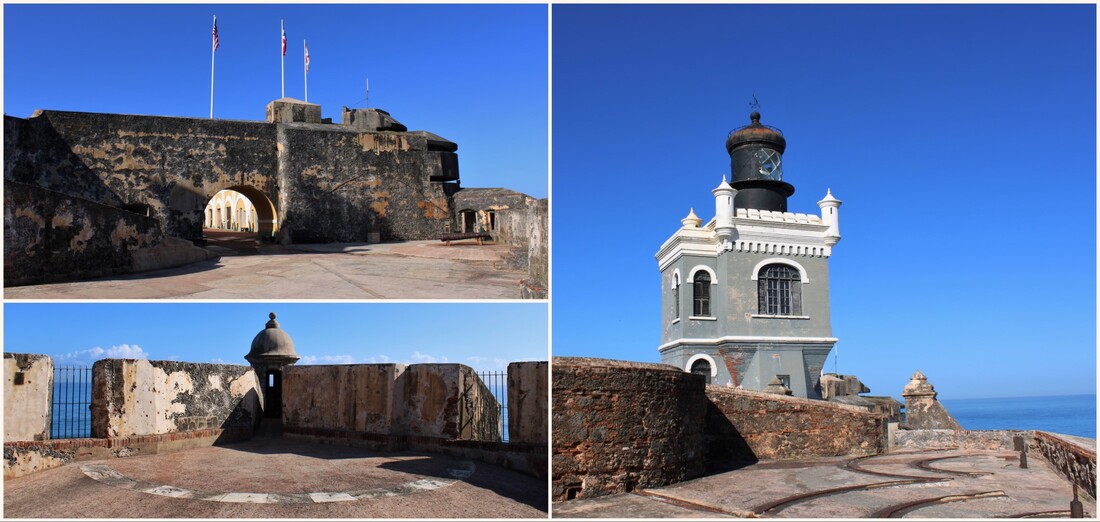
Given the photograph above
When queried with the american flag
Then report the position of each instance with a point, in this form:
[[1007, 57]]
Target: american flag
[[216, 33], [307, 54], [284, 37]]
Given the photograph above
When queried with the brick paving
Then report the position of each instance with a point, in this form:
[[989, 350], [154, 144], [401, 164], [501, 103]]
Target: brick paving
[[940, 484], [277, 478], [248, 270]]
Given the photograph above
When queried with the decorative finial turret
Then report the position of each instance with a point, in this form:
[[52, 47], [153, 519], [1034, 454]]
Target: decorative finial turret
[[691, 221], [272, 323]]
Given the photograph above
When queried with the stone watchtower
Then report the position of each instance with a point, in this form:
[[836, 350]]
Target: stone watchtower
[[272, 350], [745, 297]]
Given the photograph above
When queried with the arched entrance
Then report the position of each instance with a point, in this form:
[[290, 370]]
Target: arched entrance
[[245, 209]]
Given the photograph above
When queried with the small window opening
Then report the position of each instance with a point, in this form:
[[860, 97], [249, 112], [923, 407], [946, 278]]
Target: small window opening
[[630, 485], [492, 220], [572, 492], [701, 367], [18, 378], [271, 379]]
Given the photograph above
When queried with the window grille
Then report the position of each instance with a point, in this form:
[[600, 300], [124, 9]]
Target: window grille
[[702, 295], [676, 293], [779, 289]]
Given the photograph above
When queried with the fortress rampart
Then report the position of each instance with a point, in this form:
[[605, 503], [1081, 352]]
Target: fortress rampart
[[142, 407]]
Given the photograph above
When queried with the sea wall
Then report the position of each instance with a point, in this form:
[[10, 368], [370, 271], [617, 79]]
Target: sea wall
[[140, 397], [745, 425], [1073, 459], [618, 426], [28, 396]]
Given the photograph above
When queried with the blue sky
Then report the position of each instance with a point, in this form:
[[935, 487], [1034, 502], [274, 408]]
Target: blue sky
[[961, 139], [493, 334], [476, 75]]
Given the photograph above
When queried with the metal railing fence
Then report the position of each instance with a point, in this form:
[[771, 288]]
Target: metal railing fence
[[497, 382], [71, 412]]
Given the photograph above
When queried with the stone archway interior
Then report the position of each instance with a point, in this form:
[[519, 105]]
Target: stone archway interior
[[242, 208]]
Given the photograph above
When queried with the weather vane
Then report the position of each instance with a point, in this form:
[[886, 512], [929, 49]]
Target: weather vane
[[755, 105]]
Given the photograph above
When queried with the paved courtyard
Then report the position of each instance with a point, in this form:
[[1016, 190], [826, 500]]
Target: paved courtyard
[[248, 270], [277, 478], [925, 484]]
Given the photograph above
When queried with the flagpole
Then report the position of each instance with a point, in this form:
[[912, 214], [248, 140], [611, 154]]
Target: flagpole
[[212, 49], [282, 59], [305, 67]]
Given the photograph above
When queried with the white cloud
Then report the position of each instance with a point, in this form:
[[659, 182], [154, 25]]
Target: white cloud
[[425, 358], [379, 359], [326, 359], [487, 363], [122, 351], [218, 360]]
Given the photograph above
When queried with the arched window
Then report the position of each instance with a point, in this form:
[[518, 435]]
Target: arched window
[[701, 294], [701, 367], [676, 293], [779, 289]]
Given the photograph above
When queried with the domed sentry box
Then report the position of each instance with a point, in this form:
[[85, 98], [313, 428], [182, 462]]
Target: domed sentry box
[[272, 349], [756, 166]]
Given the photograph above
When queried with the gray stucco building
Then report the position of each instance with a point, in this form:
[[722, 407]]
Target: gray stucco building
[[745, 297]]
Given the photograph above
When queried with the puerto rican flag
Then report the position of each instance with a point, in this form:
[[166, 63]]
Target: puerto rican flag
[[281, 26], [307, 53]]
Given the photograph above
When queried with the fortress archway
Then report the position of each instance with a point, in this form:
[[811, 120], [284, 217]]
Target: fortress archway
[[227, 210]]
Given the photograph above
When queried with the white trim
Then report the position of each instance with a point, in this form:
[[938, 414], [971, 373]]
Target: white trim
[[709, 359], [781, 261], [675, 278], [749, 339], [702, 318], [695, 269], [674, 321]]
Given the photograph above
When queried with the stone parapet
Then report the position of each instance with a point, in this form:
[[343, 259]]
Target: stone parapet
[[618, 426], [134, 397], [745, 426], [28, 396], [527, 404]]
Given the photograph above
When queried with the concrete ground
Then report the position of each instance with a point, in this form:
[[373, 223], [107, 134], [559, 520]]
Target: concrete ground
[[277, 478], [947, 484], [250, 270]]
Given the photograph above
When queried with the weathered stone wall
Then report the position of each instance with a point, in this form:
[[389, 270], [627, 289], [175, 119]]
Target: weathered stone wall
[[356, 397], [50, 237], [340, 184], [520, 221], [434, 400], [141, 397], [745, 425], [168, 166], [1075, 461], [527, 388], [28, 396], [322, 181], [618, 426], [446, 400], [922, 439]]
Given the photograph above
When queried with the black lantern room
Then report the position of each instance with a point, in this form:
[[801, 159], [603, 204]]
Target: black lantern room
[[756, 166]]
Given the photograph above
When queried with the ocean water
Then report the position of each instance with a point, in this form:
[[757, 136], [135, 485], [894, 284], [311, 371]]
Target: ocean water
[[1067, 414]]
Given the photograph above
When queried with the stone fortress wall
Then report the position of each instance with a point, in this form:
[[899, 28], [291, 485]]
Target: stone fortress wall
[[123, 185], [142, 407], [619, 425]]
